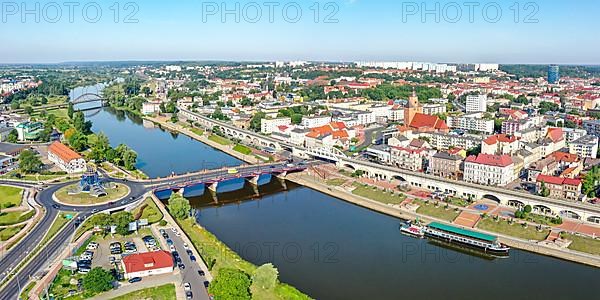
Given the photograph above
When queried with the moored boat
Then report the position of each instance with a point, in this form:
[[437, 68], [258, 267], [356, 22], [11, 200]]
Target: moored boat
[[411, 229], [484, 242]]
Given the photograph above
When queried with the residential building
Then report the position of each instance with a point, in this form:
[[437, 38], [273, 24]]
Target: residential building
[[444, 141], [444, 164], [500, 144], [434, 109], [489, 169], [592, 127], [147, 264], [476, 103], [586, 146], [472, 122], [312, 122], [560, 188], [267, 126], [65, 158], [410, 159]]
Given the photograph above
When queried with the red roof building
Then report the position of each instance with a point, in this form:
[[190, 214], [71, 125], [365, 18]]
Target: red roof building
[[147, 264], [559, 188]]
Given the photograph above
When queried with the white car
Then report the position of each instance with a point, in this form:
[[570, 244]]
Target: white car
[[185, 246], [187, 287], [172, 248], [92, 246]]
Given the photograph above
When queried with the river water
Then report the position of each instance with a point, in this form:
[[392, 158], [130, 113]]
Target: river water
[[331, 249]]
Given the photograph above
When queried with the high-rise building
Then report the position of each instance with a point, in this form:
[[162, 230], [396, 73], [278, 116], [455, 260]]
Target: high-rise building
[[476, 103], [553, 74]]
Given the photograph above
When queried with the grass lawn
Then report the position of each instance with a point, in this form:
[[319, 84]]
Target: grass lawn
[[336, 181], [516, 230], [163, 292], [458, 202], [583, 244], [33, 177], [149, 211], [61, 285], [377, 194], [26, 290], [242, 149], [58, 223], [197, 131], [10, 196], [7, 233], [219, 140], [139, 174], [84, 198], [15, 217], [439, 212], [218, 255]]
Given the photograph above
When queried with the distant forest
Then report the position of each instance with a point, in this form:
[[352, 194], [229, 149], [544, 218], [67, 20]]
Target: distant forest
[[542, 71]]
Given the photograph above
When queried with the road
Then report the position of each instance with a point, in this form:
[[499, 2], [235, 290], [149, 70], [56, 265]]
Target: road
[[190, 273], [19, 252]]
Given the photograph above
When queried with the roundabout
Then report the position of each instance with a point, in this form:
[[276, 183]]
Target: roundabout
[[64, 195]]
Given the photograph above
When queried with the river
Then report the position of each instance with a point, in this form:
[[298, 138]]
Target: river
[[331, 249]]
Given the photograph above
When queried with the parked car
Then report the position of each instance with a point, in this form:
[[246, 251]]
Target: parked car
[[187, 286], [181, 266], [192, 258], [135, 279], [189, 295], [201, 273], [206, 283], [92, 246]]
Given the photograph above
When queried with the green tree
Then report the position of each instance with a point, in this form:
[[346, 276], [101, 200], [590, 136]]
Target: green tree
[[78, 141], [70, 110], [129, 159], [178, 206], [29, 162], [98, 280], [13, 136], [265, 276], [527, 209], [29, 110], [544, 191], [255, 122], [230, 284], [296, 119], [81, 124], [122, 220]]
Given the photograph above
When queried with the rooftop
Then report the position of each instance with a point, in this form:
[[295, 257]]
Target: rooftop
[[63, 152]]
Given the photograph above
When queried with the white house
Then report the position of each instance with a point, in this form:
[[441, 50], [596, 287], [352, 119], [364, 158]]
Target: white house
[[65, 158]]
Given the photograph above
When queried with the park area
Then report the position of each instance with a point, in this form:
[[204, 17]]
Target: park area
[[117, 192], [10, 196]]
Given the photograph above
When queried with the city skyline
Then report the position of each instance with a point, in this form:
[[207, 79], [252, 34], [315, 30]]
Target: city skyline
[[546, 33]]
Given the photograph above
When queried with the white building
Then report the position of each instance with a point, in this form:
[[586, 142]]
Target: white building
[[312, 122], [267, 126], [487, 67], [586, 146], [489, 169], [65, 158], [434, 109], [472, 122], [149, 108], [476, 103]]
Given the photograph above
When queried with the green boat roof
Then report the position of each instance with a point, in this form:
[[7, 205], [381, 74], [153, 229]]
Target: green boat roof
[[464, 232]]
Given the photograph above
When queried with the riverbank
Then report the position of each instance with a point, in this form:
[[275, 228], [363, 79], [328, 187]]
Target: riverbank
[[345, 195]]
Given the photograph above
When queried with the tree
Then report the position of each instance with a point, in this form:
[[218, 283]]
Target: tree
[[296, 119], [265, 276], [70, 110], [29, 162], [230, 284], [527, 209], [122, 220], [81, 124], [178, 206], [78, 141], [13, 136], [129, 159], [29, 110], [544, 191], [98, 280], [255, 122]]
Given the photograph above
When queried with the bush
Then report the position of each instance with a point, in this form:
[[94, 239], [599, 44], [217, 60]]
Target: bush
[[162, 223], [230, 284]]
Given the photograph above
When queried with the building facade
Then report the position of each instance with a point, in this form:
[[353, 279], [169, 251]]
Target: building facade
[[65, 158], [476, 103], [488, 169]]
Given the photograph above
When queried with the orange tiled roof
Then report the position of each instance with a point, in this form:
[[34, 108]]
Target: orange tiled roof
[[63, 152]]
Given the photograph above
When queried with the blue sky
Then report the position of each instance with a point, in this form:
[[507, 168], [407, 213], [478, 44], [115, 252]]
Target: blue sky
[[566, 32]]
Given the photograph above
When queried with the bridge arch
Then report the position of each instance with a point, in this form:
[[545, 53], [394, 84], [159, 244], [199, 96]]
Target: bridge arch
[[594, 219], [542, 209], [398, 177], [516, 203], [492, 198], [570, 214]]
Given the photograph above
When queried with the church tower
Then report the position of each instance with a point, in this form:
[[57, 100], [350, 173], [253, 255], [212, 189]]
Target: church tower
[[412, 108]]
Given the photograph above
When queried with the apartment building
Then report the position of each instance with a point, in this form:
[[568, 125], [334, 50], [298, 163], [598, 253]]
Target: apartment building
[[472, 122], [489, 169]]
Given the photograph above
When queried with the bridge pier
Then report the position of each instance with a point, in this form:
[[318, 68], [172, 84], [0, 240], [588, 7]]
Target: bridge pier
[[213, 187]]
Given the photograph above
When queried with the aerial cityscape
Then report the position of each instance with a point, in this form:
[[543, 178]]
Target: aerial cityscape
[[269, 169]]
